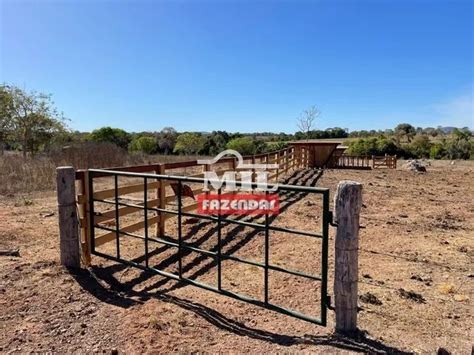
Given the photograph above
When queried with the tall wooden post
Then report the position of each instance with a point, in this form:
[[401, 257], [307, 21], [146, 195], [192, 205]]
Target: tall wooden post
[[347, 205], [68, 220]]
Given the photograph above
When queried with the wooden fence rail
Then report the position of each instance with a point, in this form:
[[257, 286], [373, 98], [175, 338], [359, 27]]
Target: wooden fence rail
[[353, 162], [365, 162], [389, 161], [161, 194]]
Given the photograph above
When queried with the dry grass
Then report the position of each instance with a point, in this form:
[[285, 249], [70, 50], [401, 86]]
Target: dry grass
[[19, 175]]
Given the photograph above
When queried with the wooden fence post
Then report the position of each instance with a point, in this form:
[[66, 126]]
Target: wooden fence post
[[68, 220], [347, 205]]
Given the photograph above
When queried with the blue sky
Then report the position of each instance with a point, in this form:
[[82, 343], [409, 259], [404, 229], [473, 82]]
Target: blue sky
[[244, 65]]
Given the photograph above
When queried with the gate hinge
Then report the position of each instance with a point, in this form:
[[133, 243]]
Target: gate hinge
[[331, 219]]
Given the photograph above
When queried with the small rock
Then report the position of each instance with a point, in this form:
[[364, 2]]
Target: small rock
[[461, 298]]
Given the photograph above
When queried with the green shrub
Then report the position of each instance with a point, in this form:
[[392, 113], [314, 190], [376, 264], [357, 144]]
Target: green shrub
[[244, 145], [421, 146], [143, 144], [189, 143]]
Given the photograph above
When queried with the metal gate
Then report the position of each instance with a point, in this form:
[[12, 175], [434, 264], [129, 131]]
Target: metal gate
[[217, 254]]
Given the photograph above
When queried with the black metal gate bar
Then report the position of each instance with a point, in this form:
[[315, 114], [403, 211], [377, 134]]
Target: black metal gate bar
[[180, 235], [145, 212], [213, 218], [117, 217], [267, 256], [181, 245], [219, 246]]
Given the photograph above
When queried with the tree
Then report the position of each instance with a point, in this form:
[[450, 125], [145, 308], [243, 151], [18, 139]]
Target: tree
[[463, 134], [306, 120], [143, 144], [189, 143], [34, 119], [421, 146], [405, 130], [215, 142], [244, 145], [167, 139], [6, 116], [112, 135]]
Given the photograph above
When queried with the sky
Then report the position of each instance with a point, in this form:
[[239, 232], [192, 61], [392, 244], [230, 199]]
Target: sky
[[243, 65]]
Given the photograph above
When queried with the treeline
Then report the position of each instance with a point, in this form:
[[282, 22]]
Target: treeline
[[30, 123], [459, 145], [169, 141]]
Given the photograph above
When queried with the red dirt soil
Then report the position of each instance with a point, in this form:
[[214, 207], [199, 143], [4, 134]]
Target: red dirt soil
[[415, 278]]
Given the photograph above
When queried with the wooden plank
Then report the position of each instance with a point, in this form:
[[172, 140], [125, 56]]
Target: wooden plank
[[171, 198], [101, 195], [107, 216], [180, 164], [187, 208], [105, 238], [132, 169], [271, 176]]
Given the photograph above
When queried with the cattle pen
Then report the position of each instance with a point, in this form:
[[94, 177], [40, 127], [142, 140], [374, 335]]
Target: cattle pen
[[149, 203]]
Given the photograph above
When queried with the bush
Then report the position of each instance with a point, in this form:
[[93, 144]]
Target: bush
[[273, 146], [244, 145], [112, 135], [458, 149], [189, 143], [437, 151], [421, 147], [143, 144], [364, 146]]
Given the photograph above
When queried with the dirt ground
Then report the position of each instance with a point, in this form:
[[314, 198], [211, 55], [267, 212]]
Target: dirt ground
[[416, 277]]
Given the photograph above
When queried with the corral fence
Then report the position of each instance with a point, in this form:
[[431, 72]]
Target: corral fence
[[353, 162], [365, 161], [286, 161], [162, 189], [386, 161]]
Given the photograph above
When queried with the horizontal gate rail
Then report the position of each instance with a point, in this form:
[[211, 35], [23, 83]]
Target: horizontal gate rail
[[147, 206]]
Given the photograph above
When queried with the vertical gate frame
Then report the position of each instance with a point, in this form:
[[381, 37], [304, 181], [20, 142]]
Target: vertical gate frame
[[181, 245]]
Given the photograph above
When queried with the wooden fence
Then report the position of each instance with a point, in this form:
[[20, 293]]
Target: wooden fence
[[365, 162], [388, 161], [286, 160], [353, 162], [161, 192]]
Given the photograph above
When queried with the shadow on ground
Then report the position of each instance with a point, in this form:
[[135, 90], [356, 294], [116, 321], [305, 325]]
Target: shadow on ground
[[106, 288], [101, 282]]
